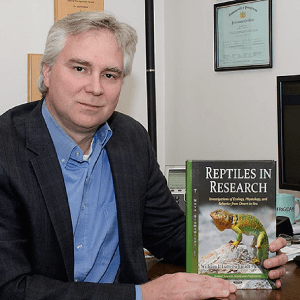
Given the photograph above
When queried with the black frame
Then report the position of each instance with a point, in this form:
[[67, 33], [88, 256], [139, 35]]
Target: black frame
[[285, 100], [216, 39]]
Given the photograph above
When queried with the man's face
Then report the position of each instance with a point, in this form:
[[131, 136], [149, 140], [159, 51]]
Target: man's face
[[85, 82]]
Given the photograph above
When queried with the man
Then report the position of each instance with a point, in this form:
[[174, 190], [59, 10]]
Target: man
[[81, 192]]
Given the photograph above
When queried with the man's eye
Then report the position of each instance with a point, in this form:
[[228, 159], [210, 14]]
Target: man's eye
[[109, 76], [79, 69]]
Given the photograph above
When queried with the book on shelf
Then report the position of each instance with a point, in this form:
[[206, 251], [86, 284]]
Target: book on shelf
[[231, 218]]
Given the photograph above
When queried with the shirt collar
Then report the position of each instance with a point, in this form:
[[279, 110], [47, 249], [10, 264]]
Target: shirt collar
[[65, 147]]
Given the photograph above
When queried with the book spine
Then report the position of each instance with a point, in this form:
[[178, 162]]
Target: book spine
[[192, 200]]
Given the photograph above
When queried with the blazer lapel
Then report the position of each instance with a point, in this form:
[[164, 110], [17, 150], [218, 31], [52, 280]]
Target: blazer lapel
[[50, 178]]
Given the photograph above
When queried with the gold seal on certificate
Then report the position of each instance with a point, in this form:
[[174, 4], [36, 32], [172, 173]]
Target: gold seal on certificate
[[62, 8], [243, 35]]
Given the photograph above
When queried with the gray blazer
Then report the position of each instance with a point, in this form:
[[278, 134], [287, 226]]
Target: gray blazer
[[36, 240]]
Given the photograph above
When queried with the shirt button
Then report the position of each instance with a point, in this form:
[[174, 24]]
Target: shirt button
[[77, 153], [76, 280], [63, 160], [79, 246]]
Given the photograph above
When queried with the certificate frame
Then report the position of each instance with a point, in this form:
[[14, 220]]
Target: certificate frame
[[33, 69], [63, 8], [243, 35]]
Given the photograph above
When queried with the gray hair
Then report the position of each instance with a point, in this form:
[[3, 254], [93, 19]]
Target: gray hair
[[81, 22]]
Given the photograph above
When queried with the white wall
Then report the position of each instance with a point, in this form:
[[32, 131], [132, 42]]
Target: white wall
[[222, 115], [23, 29]]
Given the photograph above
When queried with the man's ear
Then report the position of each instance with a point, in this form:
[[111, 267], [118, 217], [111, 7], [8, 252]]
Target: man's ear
[[46, 74]]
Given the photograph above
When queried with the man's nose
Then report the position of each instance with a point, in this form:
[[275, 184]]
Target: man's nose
[[95, 86]]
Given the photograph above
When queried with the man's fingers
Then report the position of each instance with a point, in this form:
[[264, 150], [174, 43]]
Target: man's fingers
[[277, 273], [188, 287], [211, 287], [277, 244], [276, 261]]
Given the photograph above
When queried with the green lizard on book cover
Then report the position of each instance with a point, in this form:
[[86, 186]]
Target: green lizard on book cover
[[231, 218]]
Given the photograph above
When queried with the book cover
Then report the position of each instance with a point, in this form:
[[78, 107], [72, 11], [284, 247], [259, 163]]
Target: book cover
[[231, 219]]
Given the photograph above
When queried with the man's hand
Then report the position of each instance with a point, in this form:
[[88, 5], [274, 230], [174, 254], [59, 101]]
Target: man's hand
[[277, 261], [187, 287]]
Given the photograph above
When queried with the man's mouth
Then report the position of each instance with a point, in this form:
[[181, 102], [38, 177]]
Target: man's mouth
[[92, 106]]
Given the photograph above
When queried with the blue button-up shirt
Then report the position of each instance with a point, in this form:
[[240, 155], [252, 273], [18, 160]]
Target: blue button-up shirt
[[92, 203]]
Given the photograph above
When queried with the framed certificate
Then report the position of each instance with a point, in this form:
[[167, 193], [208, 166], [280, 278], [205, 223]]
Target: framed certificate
[[243, 35], [62, 8]]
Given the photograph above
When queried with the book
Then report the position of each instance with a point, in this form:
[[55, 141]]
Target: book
[[231, 218]]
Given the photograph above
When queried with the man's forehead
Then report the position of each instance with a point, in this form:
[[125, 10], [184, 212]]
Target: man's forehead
[[97, 42], [93, 34]]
